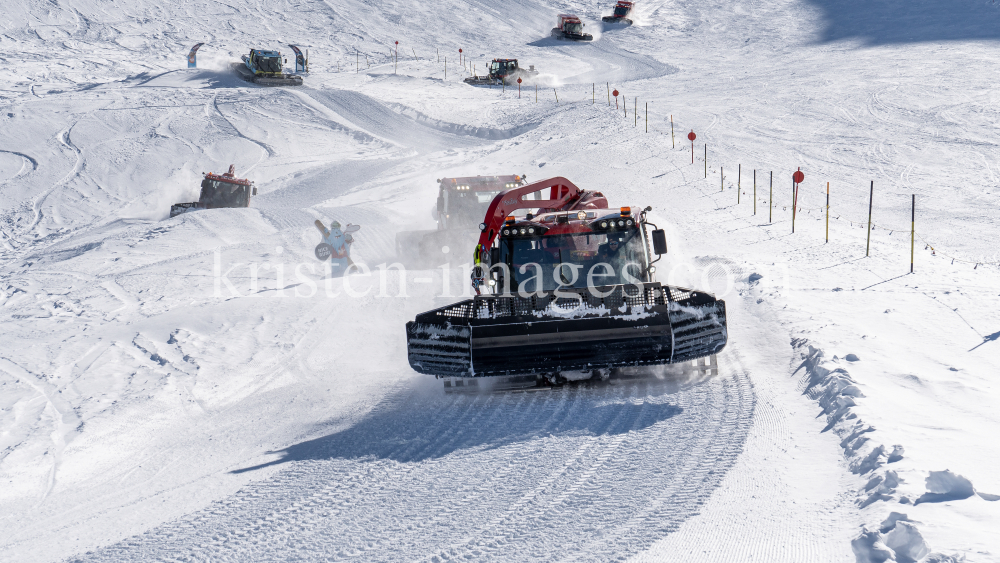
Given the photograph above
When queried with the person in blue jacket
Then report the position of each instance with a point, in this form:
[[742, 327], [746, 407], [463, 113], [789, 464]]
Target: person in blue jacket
[[340, 241]]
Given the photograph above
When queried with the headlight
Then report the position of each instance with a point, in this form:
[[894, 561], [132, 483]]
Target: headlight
[[621, 223], [492, 282], [506, 231], [652, 269], [531, 230], [629, 222], [523, 231], [604, 224], [482, 226]]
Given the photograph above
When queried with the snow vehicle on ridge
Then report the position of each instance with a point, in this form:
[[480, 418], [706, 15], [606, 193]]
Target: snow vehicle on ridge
[[570, 295], [506, 71], [461, 203], [218, 191], [265, 68], [570, 27], [622, 13]]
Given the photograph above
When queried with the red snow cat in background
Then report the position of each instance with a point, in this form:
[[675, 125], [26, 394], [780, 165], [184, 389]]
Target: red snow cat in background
[[219, 190], [570, 27], [622, 13], [564, 292]]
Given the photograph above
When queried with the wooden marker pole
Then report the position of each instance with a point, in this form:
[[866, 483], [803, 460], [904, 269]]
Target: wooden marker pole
[[557, 95], [647, 117], [871, 197], [706, 160], [913, 228], [754, 191], [795, 193], [828, 212], [635, 112], [593, 93], [739, 179], [770, 198], [672, 144], [609, 93], [722, 179]]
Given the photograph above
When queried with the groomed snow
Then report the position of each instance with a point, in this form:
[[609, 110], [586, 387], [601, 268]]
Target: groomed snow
[[194, 388]]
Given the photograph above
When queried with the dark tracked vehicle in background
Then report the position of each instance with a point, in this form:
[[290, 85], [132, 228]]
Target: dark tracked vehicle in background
[[564, 293], [503, 71], [461, 203], [265, 67]]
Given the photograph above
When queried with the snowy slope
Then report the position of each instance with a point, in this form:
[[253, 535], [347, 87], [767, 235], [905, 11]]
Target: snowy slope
[[149, 411]]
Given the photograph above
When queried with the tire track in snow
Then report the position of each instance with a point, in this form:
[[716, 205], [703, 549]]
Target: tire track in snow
[[64, 419], [581, 473], [36, 205], [266, 150]]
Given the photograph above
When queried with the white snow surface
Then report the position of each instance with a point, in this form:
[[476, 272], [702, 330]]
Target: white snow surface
[[195, 388]]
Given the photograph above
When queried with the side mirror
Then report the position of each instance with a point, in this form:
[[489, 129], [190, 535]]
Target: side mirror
[[440, 204], [255, 191], [494, 255], [659, 241]]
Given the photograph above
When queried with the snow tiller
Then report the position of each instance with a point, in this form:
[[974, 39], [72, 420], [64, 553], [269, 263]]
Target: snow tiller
[[565, 292], [461, 203], [570, 27], [265, 68], [622, 13], [219, 191], [505, 71]]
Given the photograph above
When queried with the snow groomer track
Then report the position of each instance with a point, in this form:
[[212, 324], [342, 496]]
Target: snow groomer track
[[574, 473]]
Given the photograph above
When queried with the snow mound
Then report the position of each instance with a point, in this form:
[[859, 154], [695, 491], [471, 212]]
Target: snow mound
[[907, 542], [943, 486], [870, 547]]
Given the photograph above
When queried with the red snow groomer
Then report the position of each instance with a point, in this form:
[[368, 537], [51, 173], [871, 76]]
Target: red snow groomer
[[570, 27], [622, 13], [565, 292], [219, 190]]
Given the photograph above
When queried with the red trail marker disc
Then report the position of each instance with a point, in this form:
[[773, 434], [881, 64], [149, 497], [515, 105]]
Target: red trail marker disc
[[798, 177], [692, 136]]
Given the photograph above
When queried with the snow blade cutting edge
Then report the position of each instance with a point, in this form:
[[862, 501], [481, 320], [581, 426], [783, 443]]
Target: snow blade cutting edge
[[632, 325]]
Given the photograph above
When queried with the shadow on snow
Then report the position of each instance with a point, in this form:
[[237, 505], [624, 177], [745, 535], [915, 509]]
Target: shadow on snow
[[908, 21], [418, 425]]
